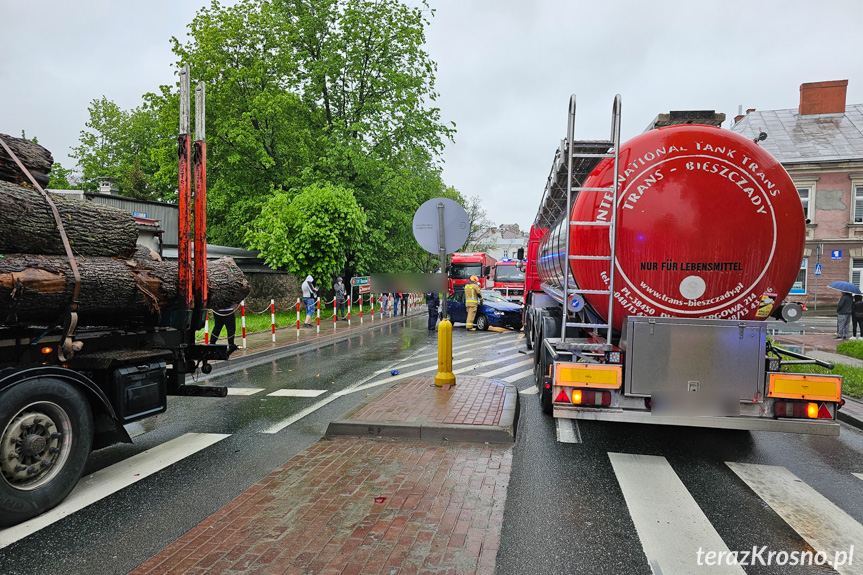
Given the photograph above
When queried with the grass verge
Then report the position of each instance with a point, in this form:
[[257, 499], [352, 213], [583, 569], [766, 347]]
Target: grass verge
[[852, 377]]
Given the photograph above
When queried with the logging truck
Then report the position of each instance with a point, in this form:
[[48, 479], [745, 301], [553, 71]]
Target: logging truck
[[652, 267], [91, 342]]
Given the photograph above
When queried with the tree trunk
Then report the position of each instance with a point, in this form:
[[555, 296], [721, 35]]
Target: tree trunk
[[114, 291], [34, 157], [27, 225]]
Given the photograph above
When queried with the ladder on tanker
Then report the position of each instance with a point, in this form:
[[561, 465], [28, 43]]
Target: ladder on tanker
[[582, 157]]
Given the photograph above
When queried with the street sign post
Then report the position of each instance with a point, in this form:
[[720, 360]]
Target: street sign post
[[361, 281], [441, 226]]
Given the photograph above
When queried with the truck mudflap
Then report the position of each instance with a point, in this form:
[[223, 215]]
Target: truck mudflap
[[811, 427]]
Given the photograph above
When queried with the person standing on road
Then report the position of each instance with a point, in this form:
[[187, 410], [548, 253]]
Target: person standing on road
[[310, 292], [385, 301], [433, 302], [472, 299], [397, 302], [843, 315], [227, 318], [339, 288], [857, 316]]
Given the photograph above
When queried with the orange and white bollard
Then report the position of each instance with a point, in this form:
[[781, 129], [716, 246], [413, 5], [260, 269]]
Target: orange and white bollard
[[243, 320], [207, 327]]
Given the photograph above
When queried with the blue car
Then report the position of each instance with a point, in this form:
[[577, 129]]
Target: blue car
[[494, 310]]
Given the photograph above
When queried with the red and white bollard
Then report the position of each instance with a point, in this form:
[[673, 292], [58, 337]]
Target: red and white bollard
[[318, 306], [273, 318], [373, 306], [361, 309], [350, 305], [243, 320], [207, 327], [335, 315], [298, 317]]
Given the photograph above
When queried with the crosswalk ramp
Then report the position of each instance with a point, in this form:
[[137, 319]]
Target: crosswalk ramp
[[677, 537]]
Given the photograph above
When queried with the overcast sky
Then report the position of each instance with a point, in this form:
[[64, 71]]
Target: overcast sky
[[506, 69]]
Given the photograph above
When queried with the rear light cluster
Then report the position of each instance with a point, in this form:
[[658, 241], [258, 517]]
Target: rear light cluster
[[584, 397], [801, 409]]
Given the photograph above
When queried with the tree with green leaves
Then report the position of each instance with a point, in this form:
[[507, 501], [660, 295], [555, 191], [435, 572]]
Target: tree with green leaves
[[311, 233], [120, 145]]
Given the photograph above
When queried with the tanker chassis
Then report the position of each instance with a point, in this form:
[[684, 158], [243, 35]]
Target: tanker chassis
[[651, 268]]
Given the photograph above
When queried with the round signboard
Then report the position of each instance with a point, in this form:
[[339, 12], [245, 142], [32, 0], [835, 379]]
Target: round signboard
[[456, 226]]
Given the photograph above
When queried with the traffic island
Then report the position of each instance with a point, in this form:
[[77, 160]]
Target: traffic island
[[476, 409]]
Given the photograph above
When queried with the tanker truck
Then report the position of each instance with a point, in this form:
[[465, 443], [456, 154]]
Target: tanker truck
[[652, 267]]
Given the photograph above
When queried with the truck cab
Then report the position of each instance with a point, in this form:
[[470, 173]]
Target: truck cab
[[464, 265], [508, 279]]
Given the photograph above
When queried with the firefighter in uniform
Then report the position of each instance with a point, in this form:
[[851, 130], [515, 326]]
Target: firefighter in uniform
[[472, 299]]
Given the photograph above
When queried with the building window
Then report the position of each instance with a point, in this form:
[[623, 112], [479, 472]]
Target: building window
[[856, 271], [858, 204], [799, 286], [805, 194]]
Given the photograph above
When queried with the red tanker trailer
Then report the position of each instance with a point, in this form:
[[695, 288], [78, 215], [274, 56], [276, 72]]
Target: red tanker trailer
[[651, 268]]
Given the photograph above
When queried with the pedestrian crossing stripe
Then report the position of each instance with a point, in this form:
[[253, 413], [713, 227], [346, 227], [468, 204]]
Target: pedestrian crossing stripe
[[105, 482], [244, 390], [816, 519], [858, 475], [297, 393], [671, 525]]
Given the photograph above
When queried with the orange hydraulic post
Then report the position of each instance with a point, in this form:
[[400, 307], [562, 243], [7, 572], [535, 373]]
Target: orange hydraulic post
[[200, 160], [184, 256]]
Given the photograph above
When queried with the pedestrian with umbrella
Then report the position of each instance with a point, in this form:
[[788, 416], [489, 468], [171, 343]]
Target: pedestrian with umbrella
[[845, 307]]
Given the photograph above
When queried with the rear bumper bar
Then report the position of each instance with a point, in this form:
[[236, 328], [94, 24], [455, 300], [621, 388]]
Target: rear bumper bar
[[812, 427]]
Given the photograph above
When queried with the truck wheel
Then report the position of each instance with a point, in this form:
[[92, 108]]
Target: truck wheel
[[46, 432], [482, 322], [542, 367], [528, 331]]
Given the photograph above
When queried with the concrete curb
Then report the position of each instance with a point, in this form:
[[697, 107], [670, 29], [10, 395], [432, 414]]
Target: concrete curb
[[503, 433]]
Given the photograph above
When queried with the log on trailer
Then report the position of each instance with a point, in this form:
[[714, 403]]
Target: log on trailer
[[27, 225], [34, 157], [114, 291]]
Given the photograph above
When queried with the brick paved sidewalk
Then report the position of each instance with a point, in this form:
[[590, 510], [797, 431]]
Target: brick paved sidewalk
[[357, 507]]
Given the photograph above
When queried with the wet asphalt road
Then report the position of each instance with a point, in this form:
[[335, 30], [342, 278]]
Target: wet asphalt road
[[565, 510], [121, 531]]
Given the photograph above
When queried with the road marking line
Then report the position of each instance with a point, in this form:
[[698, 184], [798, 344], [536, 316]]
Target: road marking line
[[277, 427], [815, 518], [105, 482], [297, 393], [244, 390], [567, 431], [427, 359], [508, 367], [671, 526], [483, 364], [522, 375]]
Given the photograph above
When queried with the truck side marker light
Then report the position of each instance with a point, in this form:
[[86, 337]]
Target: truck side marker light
[[561, 397], [548, 386], [46, 350]]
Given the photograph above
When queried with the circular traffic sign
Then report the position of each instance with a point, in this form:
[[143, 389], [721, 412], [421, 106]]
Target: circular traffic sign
[[456, 226]]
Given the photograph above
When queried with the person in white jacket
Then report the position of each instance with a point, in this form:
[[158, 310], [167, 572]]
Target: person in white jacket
[[310, 292]]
